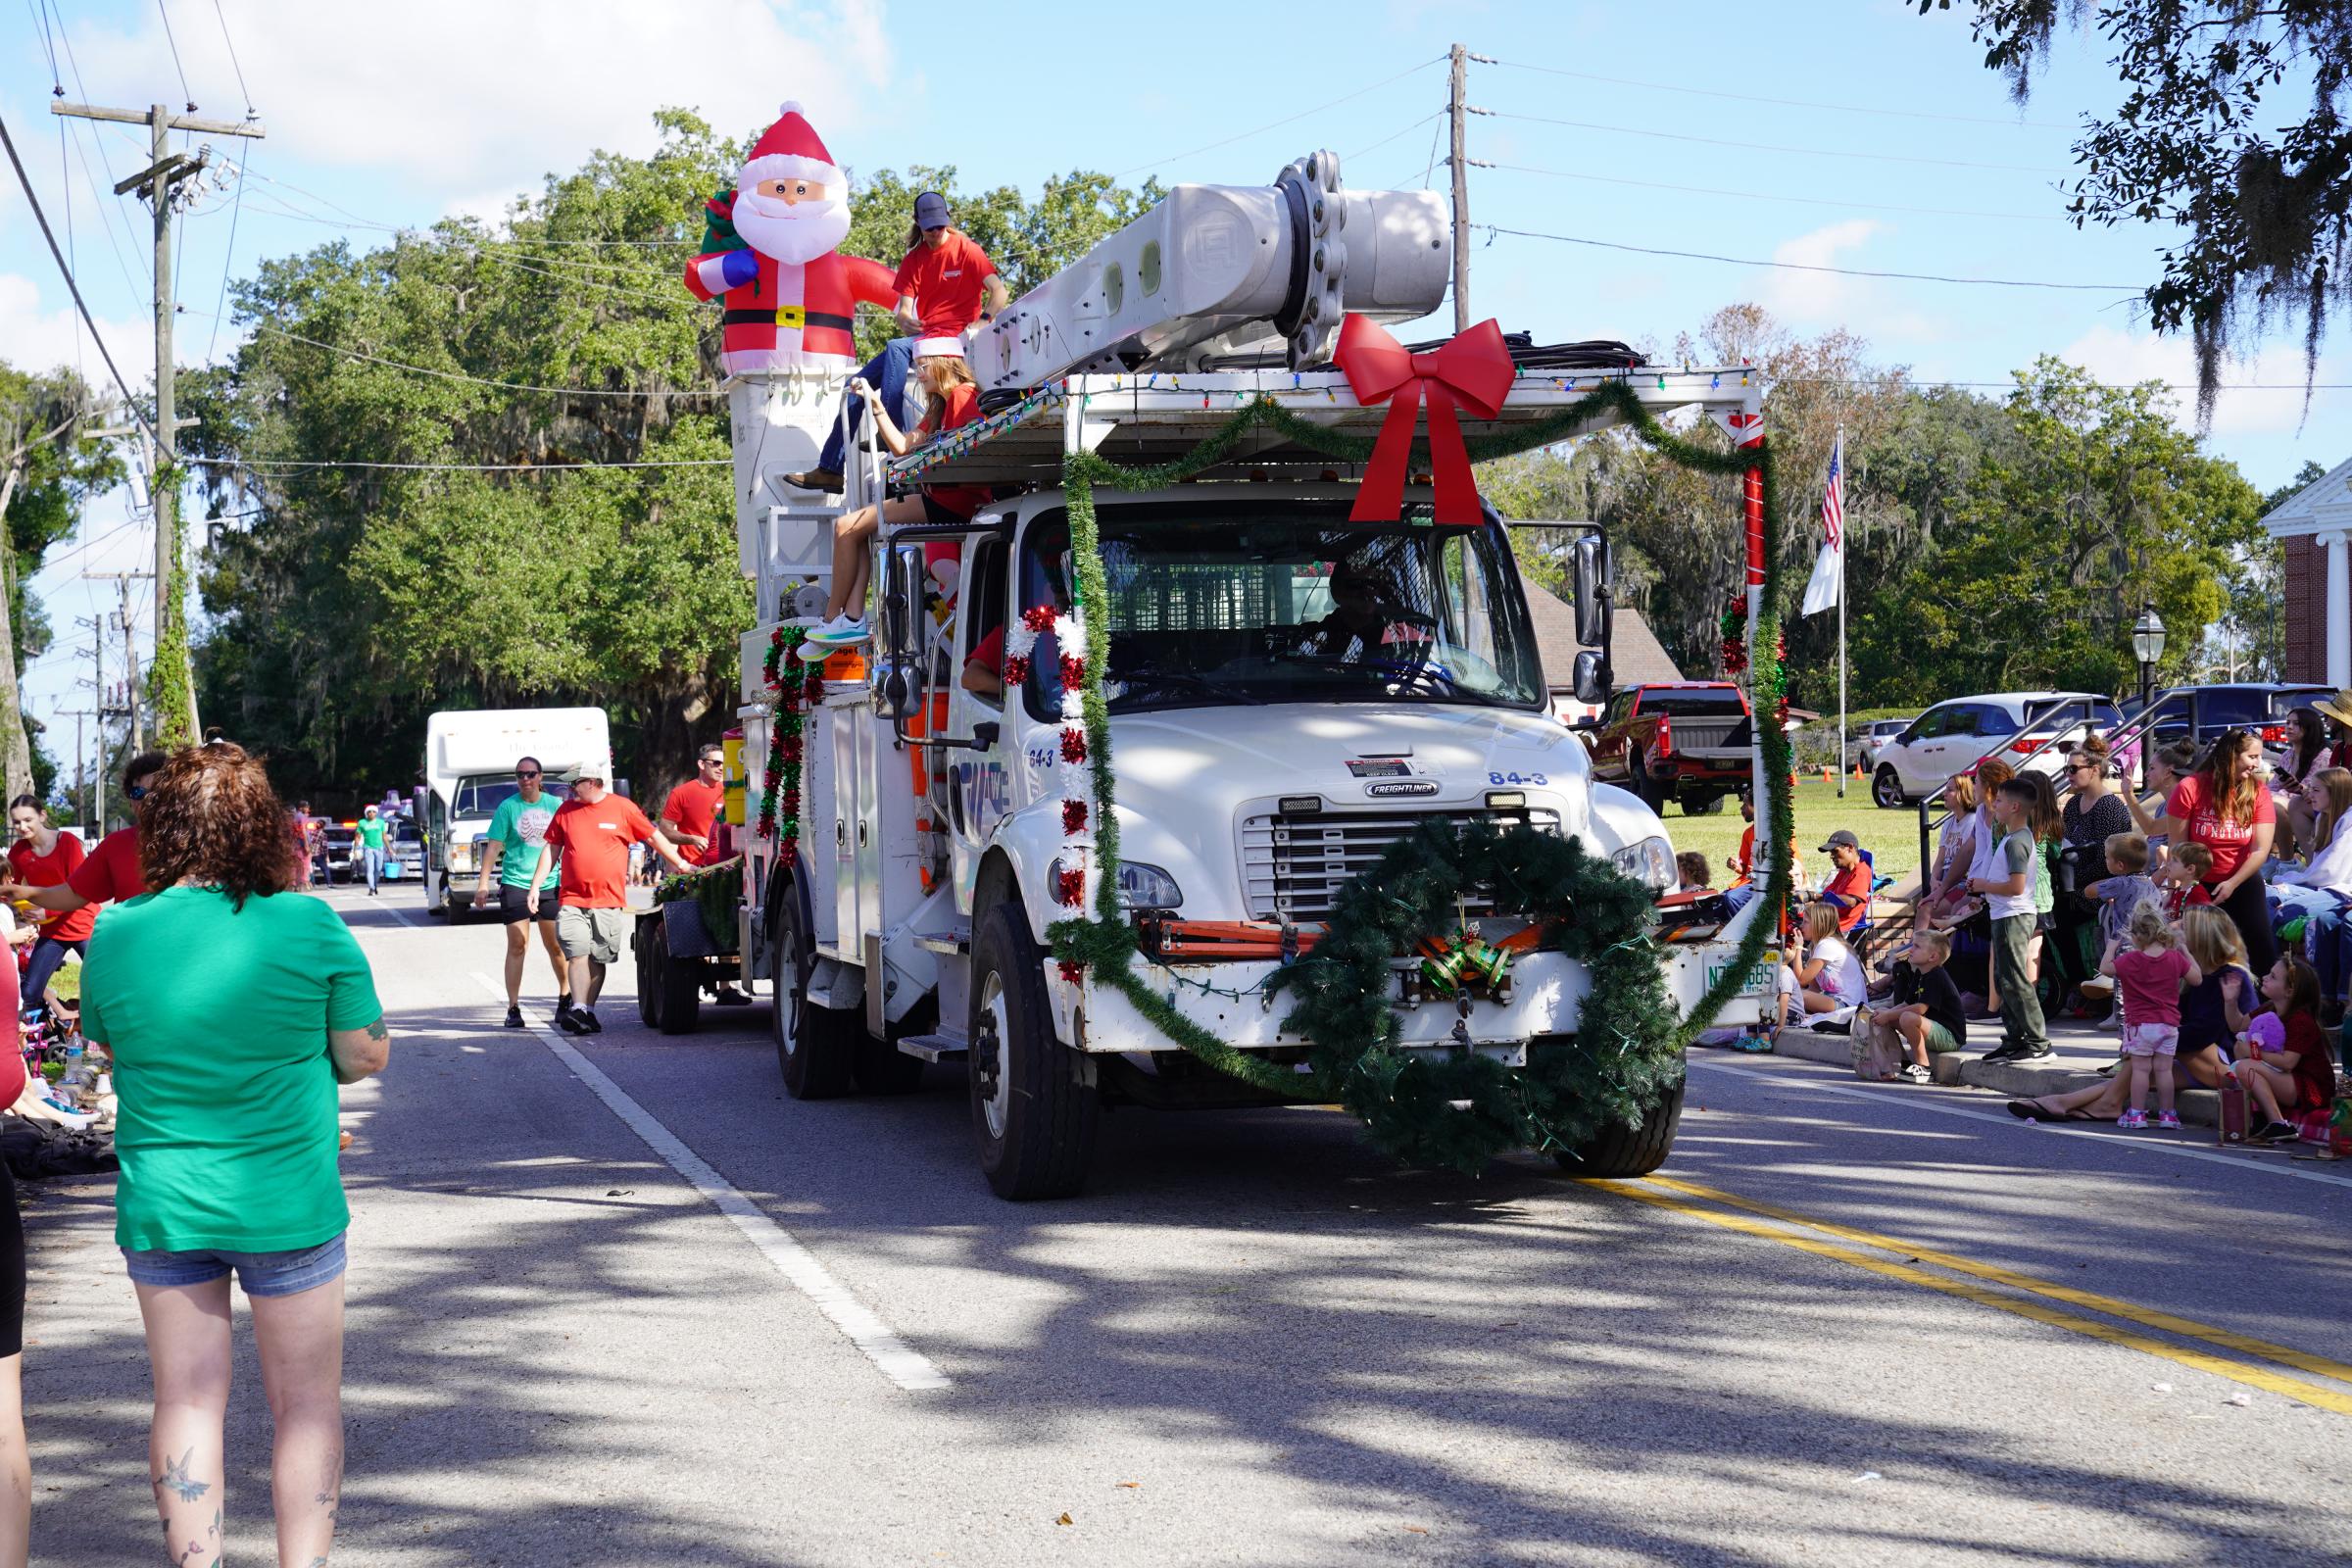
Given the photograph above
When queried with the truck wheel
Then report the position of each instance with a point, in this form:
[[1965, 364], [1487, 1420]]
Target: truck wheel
[[648, 994], [1033, 1120], [1887, 789], [677, 986], [1622, 1151], [815, 1045], [1702, 805]]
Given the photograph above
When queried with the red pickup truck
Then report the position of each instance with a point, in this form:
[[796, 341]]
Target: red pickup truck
[[1688, 741]]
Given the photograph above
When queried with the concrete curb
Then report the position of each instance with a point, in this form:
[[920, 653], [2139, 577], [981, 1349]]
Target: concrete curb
[[2011, 1080]]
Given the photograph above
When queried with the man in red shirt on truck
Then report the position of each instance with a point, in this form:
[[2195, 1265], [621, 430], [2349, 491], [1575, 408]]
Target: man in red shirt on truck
[[110, 873], [691, 817], [594, 830]]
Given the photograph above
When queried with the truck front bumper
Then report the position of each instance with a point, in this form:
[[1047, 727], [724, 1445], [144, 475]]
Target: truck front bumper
[[1230, 1000]]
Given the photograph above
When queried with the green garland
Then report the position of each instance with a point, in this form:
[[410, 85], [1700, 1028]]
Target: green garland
[[169, 680], [1568, 1091], [719, 890]]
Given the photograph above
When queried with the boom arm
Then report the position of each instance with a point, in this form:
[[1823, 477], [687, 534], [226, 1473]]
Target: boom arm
[[1217, 270]]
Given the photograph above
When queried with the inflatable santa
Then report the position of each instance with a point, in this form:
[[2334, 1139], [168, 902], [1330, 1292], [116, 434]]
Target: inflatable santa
[[771, 250]]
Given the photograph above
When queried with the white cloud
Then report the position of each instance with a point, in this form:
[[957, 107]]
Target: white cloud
[[494, 96], [2274, 406], [36, 338], [1812, 301]]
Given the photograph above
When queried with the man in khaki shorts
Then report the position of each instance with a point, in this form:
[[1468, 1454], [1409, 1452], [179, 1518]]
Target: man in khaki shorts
[[593, 830]]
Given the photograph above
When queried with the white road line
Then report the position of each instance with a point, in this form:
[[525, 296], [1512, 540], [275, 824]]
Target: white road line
[[898, 1360], [2150, 1145]]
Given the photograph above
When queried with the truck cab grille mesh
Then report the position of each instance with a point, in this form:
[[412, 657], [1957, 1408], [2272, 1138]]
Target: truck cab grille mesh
[[1294, 862]]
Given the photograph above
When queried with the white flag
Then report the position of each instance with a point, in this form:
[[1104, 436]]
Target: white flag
[[1821, 589]]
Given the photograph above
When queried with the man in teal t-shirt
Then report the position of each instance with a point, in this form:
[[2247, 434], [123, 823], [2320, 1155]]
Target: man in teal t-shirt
[[517, 833], [370, 832]]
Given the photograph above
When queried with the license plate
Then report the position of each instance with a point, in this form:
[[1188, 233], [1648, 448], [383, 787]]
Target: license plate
[[1760, 977]]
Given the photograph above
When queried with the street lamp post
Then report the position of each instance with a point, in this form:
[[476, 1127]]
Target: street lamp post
[[2147, 646]]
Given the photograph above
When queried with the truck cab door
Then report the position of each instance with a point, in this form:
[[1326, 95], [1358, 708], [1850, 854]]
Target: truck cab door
[[979, 782]]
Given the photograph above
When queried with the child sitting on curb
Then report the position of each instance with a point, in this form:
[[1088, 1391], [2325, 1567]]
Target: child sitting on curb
[[2282, 1060], [2118, 894], [1691, 866], [2149, 974], [1822, 975], [1922, 1016]]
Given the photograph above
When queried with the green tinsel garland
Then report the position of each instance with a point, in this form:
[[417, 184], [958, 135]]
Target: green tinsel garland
[[1568, 1091], [170, 678], [719, 890]]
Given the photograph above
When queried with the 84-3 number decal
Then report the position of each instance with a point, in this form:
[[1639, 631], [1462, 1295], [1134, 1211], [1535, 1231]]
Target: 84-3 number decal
[[1536, 779]]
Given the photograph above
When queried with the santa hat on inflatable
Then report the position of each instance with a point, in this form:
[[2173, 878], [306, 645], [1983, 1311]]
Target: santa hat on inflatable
[[791, 150]]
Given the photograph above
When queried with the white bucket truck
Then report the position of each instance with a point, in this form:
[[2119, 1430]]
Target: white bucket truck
[[1258, 764]]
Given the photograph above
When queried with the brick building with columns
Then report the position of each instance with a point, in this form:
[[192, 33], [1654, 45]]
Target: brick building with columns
[[2315, 526]]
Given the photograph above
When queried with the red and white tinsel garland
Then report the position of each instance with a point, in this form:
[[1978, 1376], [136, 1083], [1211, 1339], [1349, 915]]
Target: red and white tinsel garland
[[1077, 778]]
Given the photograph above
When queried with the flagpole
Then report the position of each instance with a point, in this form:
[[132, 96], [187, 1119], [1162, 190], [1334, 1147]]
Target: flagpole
[[1839, 449]]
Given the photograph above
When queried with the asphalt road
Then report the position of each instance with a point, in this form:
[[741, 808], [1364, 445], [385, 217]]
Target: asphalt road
[[807, 1333]]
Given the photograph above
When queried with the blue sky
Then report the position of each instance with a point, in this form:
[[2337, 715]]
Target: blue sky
[[1884, 145]]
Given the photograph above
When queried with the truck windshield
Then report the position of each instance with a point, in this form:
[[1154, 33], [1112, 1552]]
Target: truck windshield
[[1237, 603], [482, 794], [1711, 703]]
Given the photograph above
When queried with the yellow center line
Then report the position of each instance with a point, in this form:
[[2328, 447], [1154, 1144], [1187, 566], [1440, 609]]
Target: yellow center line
[[2236, 1372], [2147, 1317]]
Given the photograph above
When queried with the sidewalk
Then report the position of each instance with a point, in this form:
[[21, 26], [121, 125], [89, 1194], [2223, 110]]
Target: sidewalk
[[2082, 1048]]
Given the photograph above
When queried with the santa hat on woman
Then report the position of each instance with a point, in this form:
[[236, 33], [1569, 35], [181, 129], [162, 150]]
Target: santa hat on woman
[[939, 348], [790, 148]]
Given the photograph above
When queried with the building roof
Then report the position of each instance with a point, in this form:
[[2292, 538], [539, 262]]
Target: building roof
[[1635, 651], [2321, 506]]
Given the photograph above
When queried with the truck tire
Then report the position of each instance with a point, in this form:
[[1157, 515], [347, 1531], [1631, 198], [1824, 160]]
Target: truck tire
[[649, 1001], [1702, 805], [1622, 1151], [1032, 1117], [815, 1045], [1654, 793], [1887, 789]]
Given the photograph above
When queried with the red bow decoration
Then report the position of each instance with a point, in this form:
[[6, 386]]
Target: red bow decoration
[[1473, 370]]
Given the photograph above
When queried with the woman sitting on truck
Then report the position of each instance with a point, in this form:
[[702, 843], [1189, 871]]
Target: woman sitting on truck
[[955, 399]]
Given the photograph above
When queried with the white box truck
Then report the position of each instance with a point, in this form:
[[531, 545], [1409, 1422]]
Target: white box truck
[[469, 756], [1255, 776]]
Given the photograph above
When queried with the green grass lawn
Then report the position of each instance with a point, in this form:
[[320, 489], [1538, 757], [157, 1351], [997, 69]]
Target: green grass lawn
[[1890, 837]]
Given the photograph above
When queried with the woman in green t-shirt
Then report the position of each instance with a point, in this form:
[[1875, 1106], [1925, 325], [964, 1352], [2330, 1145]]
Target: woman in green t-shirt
[[232, 1006]]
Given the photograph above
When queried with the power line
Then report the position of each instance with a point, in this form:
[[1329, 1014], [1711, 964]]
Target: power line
[[233, 63], [40, 20], [72, 287], [1779, 103], [1769, 147], [1283, 121], [228, 256], [1772, 196], [269, 468], [1807, 267], [1393, 135], [184, 92], [460, 375]]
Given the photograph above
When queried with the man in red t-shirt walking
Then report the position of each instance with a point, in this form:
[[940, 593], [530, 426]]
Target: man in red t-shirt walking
[[593, 830], [946, 284]]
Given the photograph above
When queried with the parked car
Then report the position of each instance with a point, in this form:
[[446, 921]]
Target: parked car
[[2200, 714], [1951, 736], [1874, 738], [1687, 741], [404, 860]]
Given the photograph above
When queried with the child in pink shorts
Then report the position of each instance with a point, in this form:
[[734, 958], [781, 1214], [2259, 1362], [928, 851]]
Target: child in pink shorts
[[2149, 974]]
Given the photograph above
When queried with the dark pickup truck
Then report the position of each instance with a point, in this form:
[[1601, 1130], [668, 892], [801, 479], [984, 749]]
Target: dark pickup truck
[[1689, 742]]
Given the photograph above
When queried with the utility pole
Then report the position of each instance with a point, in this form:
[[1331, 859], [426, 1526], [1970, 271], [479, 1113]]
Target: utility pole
[[130, 656], [174, 680], [1459, 164], [96, 824]]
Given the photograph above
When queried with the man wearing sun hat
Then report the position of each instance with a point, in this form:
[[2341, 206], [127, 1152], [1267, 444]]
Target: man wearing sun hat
[[947, 286]]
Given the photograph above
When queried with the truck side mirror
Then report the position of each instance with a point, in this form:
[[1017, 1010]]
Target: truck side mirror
[[1590, 569], [1592, 677]]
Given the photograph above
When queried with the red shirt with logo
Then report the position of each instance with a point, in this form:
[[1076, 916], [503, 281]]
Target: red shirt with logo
[[595, 841], [1851, 885], [946, 282], [693, 807], [47, 872], [112, 872], [959, 406], [2192, 802]]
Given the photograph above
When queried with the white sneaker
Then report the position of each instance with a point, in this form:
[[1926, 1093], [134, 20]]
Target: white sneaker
[[840, 632]]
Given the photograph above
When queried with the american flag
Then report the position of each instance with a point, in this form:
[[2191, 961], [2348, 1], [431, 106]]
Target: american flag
[[1833, 504]]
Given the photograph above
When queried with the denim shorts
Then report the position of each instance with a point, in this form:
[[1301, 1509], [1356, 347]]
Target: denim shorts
[[260, 1273]]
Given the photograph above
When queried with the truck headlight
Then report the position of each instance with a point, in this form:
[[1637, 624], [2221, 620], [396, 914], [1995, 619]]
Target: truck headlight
[[1140, 887], [461, 857], [1649, 863]]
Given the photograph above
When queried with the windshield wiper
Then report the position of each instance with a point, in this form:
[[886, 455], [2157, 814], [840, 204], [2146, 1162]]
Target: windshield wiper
[[1191, 682]]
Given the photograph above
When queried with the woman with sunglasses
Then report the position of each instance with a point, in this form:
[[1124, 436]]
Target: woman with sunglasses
[[109, 873]]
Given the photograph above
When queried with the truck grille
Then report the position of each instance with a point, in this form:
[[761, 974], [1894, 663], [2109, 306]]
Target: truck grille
[[1294, 862]]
